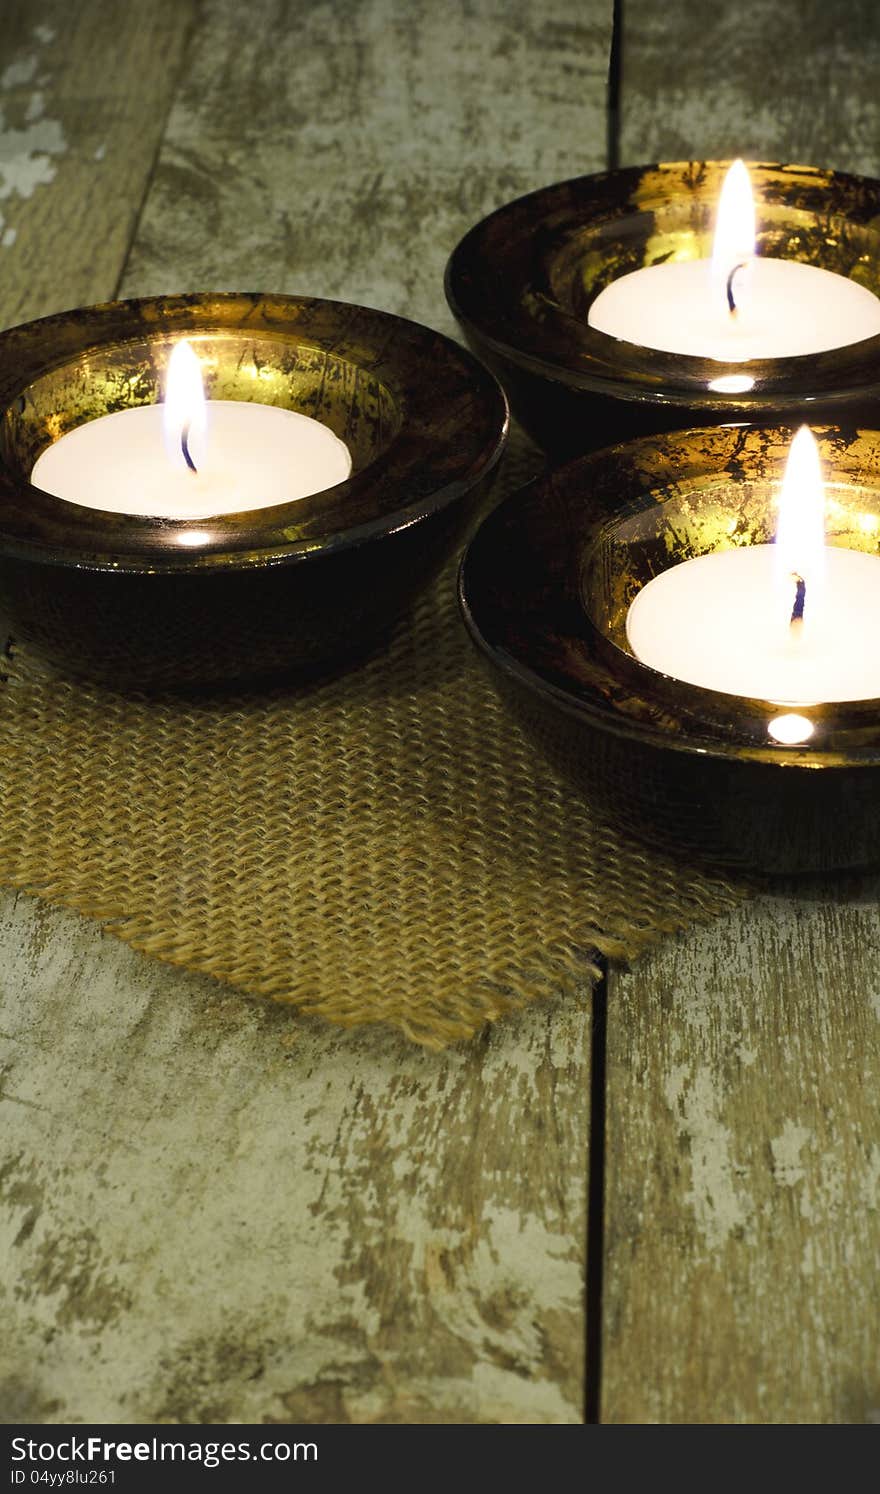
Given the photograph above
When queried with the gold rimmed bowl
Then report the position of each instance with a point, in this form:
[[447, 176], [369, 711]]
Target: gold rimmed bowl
[[292, 587], [521, 284], [545, 588]]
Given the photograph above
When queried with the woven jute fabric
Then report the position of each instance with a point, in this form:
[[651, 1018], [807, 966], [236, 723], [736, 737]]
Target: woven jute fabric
[[382, 846]]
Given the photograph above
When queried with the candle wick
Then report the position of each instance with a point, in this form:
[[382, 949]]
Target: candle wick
[[731, 300], [184, 446], [800, 597]]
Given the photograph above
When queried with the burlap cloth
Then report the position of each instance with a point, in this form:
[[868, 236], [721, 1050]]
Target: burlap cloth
[[383, 846]]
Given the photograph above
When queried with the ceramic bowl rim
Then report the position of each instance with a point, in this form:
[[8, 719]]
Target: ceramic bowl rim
[[37, 348], [597, 709], [778, 381]]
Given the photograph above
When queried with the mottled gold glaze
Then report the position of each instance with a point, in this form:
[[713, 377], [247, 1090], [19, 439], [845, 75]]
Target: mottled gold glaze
[[356, 405], [546, 585], [522, 281], [120, 597]]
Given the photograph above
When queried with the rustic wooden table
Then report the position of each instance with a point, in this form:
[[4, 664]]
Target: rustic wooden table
[[658, 1205]]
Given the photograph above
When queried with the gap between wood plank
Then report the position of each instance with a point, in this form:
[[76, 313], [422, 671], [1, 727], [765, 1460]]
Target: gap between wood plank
[[615, 75], [599, 1029], [596, 1202]]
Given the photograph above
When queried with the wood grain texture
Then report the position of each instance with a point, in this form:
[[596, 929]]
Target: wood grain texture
[[742, 1211], [84, 92], [341, 149], [792, 81], [210, 1211], [743, 1170]]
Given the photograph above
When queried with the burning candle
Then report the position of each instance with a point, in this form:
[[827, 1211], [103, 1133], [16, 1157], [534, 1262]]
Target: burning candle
[[736, 306], [787, 622], [192, 458]]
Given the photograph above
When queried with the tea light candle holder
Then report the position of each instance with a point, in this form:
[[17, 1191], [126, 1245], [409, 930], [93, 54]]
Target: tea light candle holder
[[523, 284], [148, 599], [547, 586]]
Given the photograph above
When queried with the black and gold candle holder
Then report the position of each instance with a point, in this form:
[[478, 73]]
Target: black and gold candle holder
[[156, 602], [545, 588], [522, 281]]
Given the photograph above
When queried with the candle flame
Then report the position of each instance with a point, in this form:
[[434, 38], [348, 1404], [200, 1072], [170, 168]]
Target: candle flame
[[733, 248], [185, 415], [799, 560]]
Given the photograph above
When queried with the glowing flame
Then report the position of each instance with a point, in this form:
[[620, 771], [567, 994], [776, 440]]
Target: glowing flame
[[185, 418], [734, 243], [800, 531]]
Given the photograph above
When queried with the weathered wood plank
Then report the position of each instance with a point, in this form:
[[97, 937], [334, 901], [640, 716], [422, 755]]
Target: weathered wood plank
[[760, 80], [84, 92], [215, 1211], [743, 1134], [743, 1143], [348, 146], [212, 1212]]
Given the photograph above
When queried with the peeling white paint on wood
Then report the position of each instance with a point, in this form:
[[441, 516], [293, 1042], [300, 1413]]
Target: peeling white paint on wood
[[213, 1211], [718, 1206], [27, 151], [19, 72], [743, 1248], [788, 1169], [83, 98]]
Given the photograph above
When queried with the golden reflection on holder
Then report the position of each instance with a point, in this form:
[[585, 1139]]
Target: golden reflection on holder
[[790, 729], [194, 538], [731, 384]]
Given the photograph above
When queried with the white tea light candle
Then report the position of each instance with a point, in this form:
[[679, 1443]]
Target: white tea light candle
[[736, 306], [785, 622], [192, 458]]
